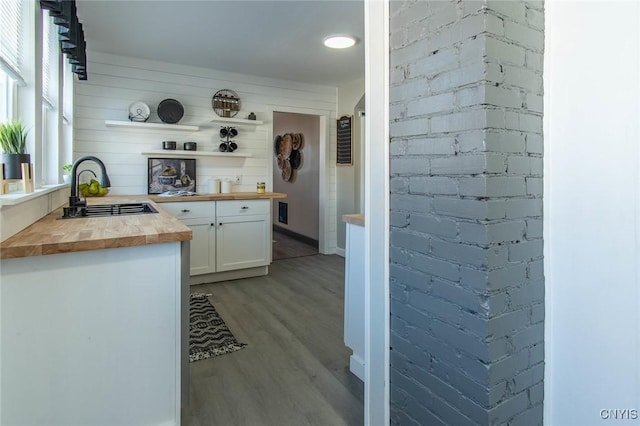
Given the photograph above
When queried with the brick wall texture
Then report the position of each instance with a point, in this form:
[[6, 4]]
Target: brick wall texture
[[467, 284]]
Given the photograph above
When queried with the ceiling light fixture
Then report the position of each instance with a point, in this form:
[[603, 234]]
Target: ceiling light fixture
[[339, 42]]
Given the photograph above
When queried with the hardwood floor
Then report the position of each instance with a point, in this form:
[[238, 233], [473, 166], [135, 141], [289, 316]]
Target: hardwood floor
[[286, 247], [294, 370]]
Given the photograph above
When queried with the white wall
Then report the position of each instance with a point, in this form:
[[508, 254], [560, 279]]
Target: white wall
[[591, 210], [358, 154], [350, 186], [303, 189], [116, 81]]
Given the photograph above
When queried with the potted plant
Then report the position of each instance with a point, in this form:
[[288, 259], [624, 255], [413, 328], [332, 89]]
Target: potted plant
[[13, 140], [66, 173]]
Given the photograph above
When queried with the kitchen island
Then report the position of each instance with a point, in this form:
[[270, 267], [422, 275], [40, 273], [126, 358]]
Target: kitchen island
[[93, 317]]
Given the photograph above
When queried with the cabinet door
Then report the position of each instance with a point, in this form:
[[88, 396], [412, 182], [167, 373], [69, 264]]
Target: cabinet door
[[243, 242], [203, 246]]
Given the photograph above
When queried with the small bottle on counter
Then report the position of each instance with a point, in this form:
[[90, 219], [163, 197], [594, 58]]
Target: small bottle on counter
[[261, 187]]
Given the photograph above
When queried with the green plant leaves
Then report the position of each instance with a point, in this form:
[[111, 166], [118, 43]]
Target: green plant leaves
[[13, 137]]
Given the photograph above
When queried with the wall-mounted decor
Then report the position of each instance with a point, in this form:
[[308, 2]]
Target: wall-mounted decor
[[228, 145], [139, 112], [170, 111], [171, 174], [288, 152], [345, 144], [226, 103]]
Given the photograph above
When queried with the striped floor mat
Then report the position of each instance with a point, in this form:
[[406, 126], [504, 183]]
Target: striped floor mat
[[209, 336]]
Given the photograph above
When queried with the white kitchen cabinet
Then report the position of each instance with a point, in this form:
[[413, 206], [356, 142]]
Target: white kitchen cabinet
[[203, 247], [243, 235], [242, 208], [243, 241], [228, 235], [200, 217], [191, 209]]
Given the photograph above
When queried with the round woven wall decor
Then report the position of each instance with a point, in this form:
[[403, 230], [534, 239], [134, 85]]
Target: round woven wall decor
[[288, 151]]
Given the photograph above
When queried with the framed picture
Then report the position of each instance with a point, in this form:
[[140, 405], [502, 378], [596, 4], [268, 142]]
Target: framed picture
[[171, 174]]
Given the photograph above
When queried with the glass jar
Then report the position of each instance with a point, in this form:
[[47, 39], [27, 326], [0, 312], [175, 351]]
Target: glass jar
[[261, 187]]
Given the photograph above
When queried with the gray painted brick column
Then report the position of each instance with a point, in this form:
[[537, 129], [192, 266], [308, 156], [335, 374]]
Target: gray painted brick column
[[467, 285]]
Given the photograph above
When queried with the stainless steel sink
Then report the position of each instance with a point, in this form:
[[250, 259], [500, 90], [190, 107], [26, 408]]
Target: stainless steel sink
[[102, 210]]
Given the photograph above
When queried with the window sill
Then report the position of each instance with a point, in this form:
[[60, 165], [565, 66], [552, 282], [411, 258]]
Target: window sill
[[15, 198]]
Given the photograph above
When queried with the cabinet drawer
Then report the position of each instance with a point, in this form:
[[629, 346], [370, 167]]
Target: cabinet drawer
[[242, 207], [191, 209]]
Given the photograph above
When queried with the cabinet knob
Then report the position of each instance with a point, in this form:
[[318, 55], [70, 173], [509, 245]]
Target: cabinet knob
[[220, 224], [185, 210], [245, 208]]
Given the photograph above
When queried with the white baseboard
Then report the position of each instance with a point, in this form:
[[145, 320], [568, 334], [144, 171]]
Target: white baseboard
[[340, 252], [356, 365], [229, 275]]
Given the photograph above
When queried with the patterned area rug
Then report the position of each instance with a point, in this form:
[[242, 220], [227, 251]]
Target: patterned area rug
[[209, 336]]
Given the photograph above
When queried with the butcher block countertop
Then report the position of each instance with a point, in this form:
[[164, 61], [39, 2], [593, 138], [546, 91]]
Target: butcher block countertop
[[219, 197], [52, 235], [354, 219]]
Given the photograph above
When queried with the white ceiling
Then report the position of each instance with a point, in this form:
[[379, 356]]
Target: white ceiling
[[278, 39]]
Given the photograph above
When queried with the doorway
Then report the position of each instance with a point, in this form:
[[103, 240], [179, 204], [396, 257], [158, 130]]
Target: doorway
[[325, 190], [296, 172]]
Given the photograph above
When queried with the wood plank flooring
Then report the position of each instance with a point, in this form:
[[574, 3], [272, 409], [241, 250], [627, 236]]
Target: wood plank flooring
[[286, 247], [295, 369]]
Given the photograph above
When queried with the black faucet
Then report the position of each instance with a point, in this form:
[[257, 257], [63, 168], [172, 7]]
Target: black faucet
[[74, 200]]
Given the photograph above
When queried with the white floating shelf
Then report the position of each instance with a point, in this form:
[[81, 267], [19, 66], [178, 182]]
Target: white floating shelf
[[158, 126], [232, 120], [181, 153]]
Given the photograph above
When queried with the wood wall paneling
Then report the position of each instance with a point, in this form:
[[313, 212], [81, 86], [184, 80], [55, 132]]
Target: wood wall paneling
[[118, 81]]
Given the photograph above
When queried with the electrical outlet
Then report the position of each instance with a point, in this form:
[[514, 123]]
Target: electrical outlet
[[238, 180]]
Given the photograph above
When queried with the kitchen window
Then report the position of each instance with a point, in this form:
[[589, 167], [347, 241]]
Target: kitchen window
[[52, 80], [12, 14], [29, 47], [7, 98]]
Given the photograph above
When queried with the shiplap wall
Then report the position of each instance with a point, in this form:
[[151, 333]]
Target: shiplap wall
[[116, 81]]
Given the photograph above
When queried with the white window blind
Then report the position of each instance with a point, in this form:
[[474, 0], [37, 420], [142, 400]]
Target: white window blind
[[5, 107], [49, 59], [11, 22]]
